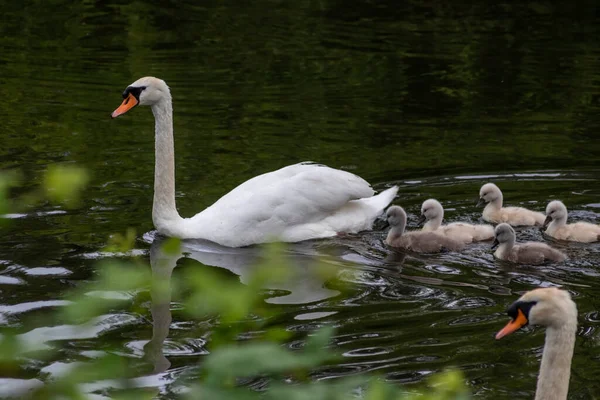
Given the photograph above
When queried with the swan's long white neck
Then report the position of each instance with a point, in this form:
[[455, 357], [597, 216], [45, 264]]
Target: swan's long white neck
[[555, 370], [164, 212]]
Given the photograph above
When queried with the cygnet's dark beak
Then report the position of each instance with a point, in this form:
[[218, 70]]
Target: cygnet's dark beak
[[495, 244], [547, 221], [480, 202], [386, 224], [421, 220]]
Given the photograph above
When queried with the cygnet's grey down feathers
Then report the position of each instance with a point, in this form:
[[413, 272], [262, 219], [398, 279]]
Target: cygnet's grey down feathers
[[417, 241], [557, 227], [432, 213], [523, 253], [515, 216]]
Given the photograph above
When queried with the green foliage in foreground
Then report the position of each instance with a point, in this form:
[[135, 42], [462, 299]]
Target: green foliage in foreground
[[239, 309]]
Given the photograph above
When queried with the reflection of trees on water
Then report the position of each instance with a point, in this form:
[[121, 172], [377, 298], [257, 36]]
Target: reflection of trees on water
[[427, 77]]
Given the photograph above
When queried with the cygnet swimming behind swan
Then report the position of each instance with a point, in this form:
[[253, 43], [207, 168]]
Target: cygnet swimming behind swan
[[524, 253], [432, 213], [515, 216], [417, 241], [557, 227]]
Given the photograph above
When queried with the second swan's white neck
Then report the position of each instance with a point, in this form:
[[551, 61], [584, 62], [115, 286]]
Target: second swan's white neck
[[555, 370], [164, 212]]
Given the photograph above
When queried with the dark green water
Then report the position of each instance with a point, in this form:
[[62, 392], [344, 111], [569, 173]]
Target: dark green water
[[434, 96]]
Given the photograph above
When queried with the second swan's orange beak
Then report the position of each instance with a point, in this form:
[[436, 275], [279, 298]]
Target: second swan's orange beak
[[513, 325], [127, 104]]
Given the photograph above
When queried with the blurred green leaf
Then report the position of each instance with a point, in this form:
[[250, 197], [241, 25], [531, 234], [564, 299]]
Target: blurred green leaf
[[319, 339], [277, 335], [91, 300], [253, 359], [7, 180], [64, 183], [211, 294], [339, 389], [119, 243], [209, 392], [171, 246]]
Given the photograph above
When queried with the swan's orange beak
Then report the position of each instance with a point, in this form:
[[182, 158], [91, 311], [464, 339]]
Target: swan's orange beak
[[125, 106], [513, 325]]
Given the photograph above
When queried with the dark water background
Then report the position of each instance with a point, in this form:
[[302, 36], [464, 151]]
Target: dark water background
[[437, 97]]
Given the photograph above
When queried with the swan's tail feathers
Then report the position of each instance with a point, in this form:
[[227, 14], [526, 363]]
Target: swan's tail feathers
[[382, 200]]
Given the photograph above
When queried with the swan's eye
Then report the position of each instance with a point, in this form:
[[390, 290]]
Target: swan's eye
[[135, 91], [524, 306]]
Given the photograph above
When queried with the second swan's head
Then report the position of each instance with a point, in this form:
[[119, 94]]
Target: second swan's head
[[145, 91], [549, 307]]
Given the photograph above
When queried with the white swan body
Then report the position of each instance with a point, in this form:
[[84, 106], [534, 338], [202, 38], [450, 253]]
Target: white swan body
[[417, 241], [495, 213], [553, 309], [433, 214], [523, 253], [299, 202], [557, 227]]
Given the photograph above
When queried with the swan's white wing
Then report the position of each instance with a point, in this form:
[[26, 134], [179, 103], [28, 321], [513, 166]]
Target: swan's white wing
[[297, 193], [271, 203]]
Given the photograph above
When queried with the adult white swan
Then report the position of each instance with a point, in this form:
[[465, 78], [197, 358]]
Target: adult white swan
[[297, 202]]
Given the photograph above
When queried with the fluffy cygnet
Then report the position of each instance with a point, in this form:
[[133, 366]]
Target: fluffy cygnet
[[417, 241], [432, 213], [524, 253], [557, 227], [515, 216]]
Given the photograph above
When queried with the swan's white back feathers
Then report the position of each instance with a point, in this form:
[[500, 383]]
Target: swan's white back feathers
[[298, 202]]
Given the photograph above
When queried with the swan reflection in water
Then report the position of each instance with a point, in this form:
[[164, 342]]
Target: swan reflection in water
[[305, 286]]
